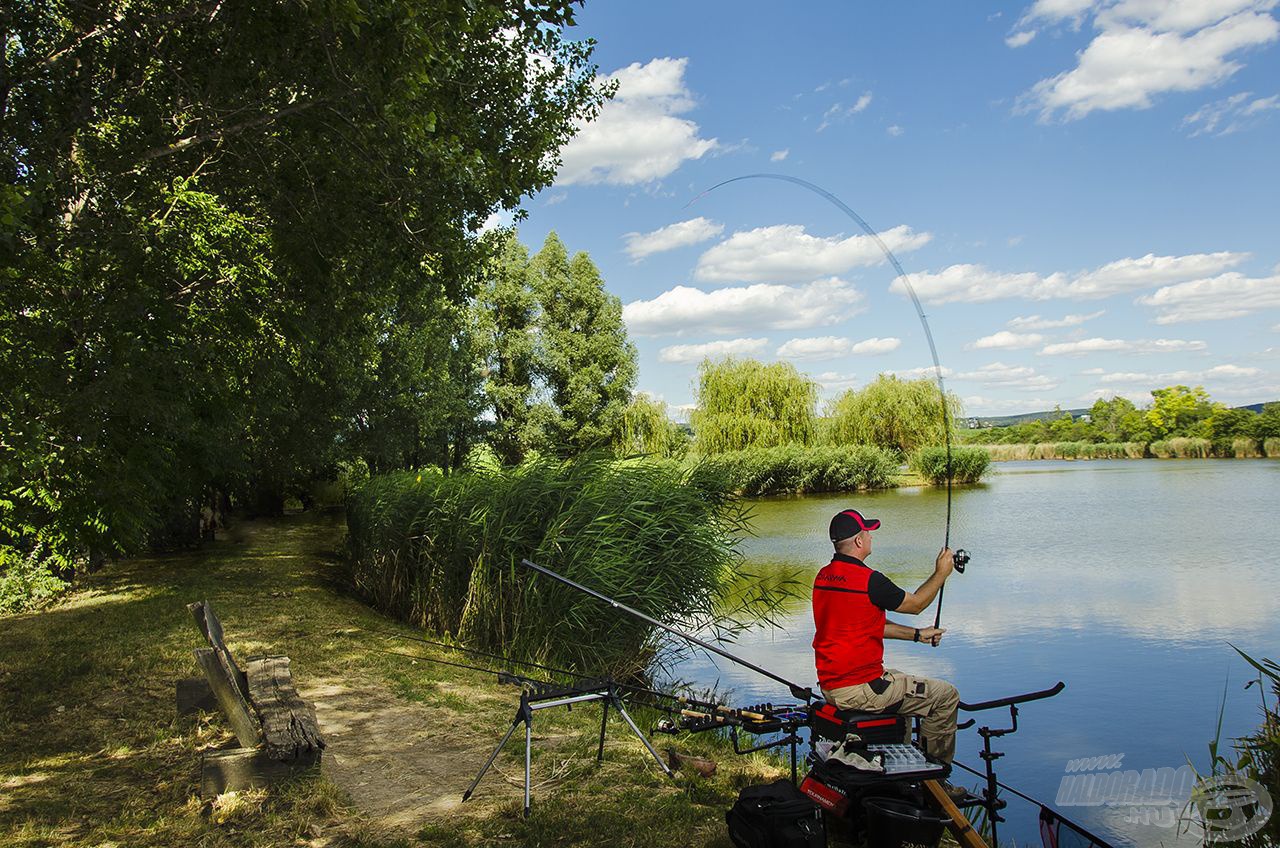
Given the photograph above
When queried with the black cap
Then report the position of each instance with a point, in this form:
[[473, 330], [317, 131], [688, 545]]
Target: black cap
[[850, 523]]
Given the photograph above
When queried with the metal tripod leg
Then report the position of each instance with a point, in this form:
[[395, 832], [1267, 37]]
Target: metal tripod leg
[[617, 704], [523, 715], [528, 745], [604, 721]]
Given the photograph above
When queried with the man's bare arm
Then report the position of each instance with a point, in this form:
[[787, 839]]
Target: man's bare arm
[[893, 630]]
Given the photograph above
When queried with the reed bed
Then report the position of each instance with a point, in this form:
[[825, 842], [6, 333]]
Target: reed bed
[[1065, 450], [443, 552], [968, 464], [1243, 447], [1271, 447], [791, 469], [1188, 448]]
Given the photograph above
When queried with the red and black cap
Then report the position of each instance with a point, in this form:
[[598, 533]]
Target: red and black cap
[[850, 522]]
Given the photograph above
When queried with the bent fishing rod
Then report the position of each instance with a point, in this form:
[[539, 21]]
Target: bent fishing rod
[[961, 557], [797, 691]]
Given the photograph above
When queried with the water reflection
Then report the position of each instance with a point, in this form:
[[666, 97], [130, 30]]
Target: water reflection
[[1122, 578]]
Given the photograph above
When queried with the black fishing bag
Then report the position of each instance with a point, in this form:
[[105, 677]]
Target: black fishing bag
[[775, 815]]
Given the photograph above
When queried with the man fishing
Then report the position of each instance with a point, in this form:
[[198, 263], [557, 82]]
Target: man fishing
[[850, 600]]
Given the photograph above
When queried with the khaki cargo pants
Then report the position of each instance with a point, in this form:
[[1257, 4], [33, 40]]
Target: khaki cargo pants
[[935, 700]]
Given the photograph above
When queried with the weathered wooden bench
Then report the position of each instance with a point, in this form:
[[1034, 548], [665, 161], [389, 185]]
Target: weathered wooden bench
[[277, 730]]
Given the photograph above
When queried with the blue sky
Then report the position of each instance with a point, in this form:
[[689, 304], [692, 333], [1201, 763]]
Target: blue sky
[[1083, 193]]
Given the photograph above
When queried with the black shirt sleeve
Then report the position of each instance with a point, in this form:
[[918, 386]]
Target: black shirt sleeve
[[884, 593]]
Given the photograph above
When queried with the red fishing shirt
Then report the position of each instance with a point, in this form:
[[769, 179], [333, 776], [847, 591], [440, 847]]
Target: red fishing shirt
[[849, 604]]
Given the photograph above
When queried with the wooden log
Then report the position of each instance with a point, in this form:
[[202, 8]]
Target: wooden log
[[960, 827], [238, 769], [210, 627], [194, 694], [289, 727], [234, 707]]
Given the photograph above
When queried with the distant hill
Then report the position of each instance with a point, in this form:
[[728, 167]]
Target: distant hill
[[983, 422]]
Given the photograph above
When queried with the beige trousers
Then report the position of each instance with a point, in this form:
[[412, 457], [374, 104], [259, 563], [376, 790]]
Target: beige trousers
[[936, 701]]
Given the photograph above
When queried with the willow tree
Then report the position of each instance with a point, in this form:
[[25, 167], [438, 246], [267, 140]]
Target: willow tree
[[891, 413], [647, 429], [745, 403]]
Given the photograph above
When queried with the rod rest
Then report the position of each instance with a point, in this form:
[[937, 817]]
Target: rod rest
[[1013, 699]]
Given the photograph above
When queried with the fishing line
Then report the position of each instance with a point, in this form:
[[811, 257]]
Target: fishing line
[[915, 300]]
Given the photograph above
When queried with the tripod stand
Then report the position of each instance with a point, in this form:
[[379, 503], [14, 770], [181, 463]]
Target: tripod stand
[[535, 697]]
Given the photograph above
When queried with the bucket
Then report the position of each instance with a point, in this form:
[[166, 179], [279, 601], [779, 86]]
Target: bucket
[[894, 823]]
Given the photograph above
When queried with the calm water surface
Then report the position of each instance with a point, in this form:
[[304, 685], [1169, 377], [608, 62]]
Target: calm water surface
[[1125, 579]]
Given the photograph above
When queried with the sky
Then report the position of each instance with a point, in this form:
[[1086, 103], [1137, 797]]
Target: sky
[[1082, 194]]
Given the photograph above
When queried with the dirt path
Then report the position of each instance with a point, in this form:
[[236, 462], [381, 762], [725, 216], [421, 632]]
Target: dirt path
[[402, 763]]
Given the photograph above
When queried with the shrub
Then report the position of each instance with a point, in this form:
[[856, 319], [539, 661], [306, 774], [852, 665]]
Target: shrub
[[1243, 446], [1271, 446], [443, 552], [1188, 448], [791, 469], [26, 580], [968, 464], [1135, 450], [1161, 449]]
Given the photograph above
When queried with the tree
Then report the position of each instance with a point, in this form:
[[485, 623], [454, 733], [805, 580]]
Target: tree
[[745, 403], [233, 241], [508, 310], [586, 365], [891, 413], [646, 429], [1119, 420], [1176, 410]]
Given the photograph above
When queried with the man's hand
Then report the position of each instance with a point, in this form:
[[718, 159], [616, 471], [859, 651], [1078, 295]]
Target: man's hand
[[945, 563], [932, 635]]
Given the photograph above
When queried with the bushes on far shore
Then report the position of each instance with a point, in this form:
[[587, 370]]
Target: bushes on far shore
[[1240, 447], [968, 464], [794, 469]]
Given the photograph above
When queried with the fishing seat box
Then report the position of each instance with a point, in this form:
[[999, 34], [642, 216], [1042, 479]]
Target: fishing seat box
[[872, 728]]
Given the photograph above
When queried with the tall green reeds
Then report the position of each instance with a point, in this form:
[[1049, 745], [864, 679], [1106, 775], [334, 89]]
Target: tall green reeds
[[968, 464], [1271, 446], [1065, 450], [444, 552], [789, 469], [1243, 447]]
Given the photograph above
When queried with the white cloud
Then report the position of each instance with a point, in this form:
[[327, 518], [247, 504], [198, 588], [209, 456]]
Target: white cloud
[[779, 155], [1006, 339], [834, 381], [637, 137], [712, 350], [1231, 295], [731, 311], [1020, 39], [497, 220], [1145, 48], [1207, 375], [1230, 115], [1100, 345], [1035, 322], [916, 373], [1021, 377], [786, 252], [839, 112], [670, 237], [831, 347], [978, 405], [894, 130], [978, 284]]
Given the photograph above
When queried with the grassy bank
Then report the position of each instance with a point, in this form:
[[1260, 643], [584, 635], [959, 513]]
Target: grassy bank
[[91, 752], [1176, 448]]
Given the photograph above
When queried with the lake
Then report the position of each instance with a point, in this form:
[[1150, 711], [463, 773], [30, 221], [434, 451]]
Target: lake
[[1125, 579]]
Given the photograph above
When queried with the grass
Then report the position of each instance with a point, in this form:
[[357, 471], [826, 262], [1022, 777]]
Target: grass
[[967, 465], [92, 753]]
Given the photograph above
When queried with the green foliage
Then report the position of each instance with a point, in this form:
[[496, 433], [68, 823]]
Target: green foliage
[[558, 367], [443, 553], [968, 464], [646, 429], [1178, 409], [27, 580], [893, 414], [586, 365], [794, 469], [235, 243], [1271, 447], [742, 403]]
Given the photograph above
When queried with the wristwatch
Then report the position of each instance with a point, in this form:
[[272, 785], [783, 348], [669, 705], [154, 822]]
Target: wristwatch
[[917, 636]]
